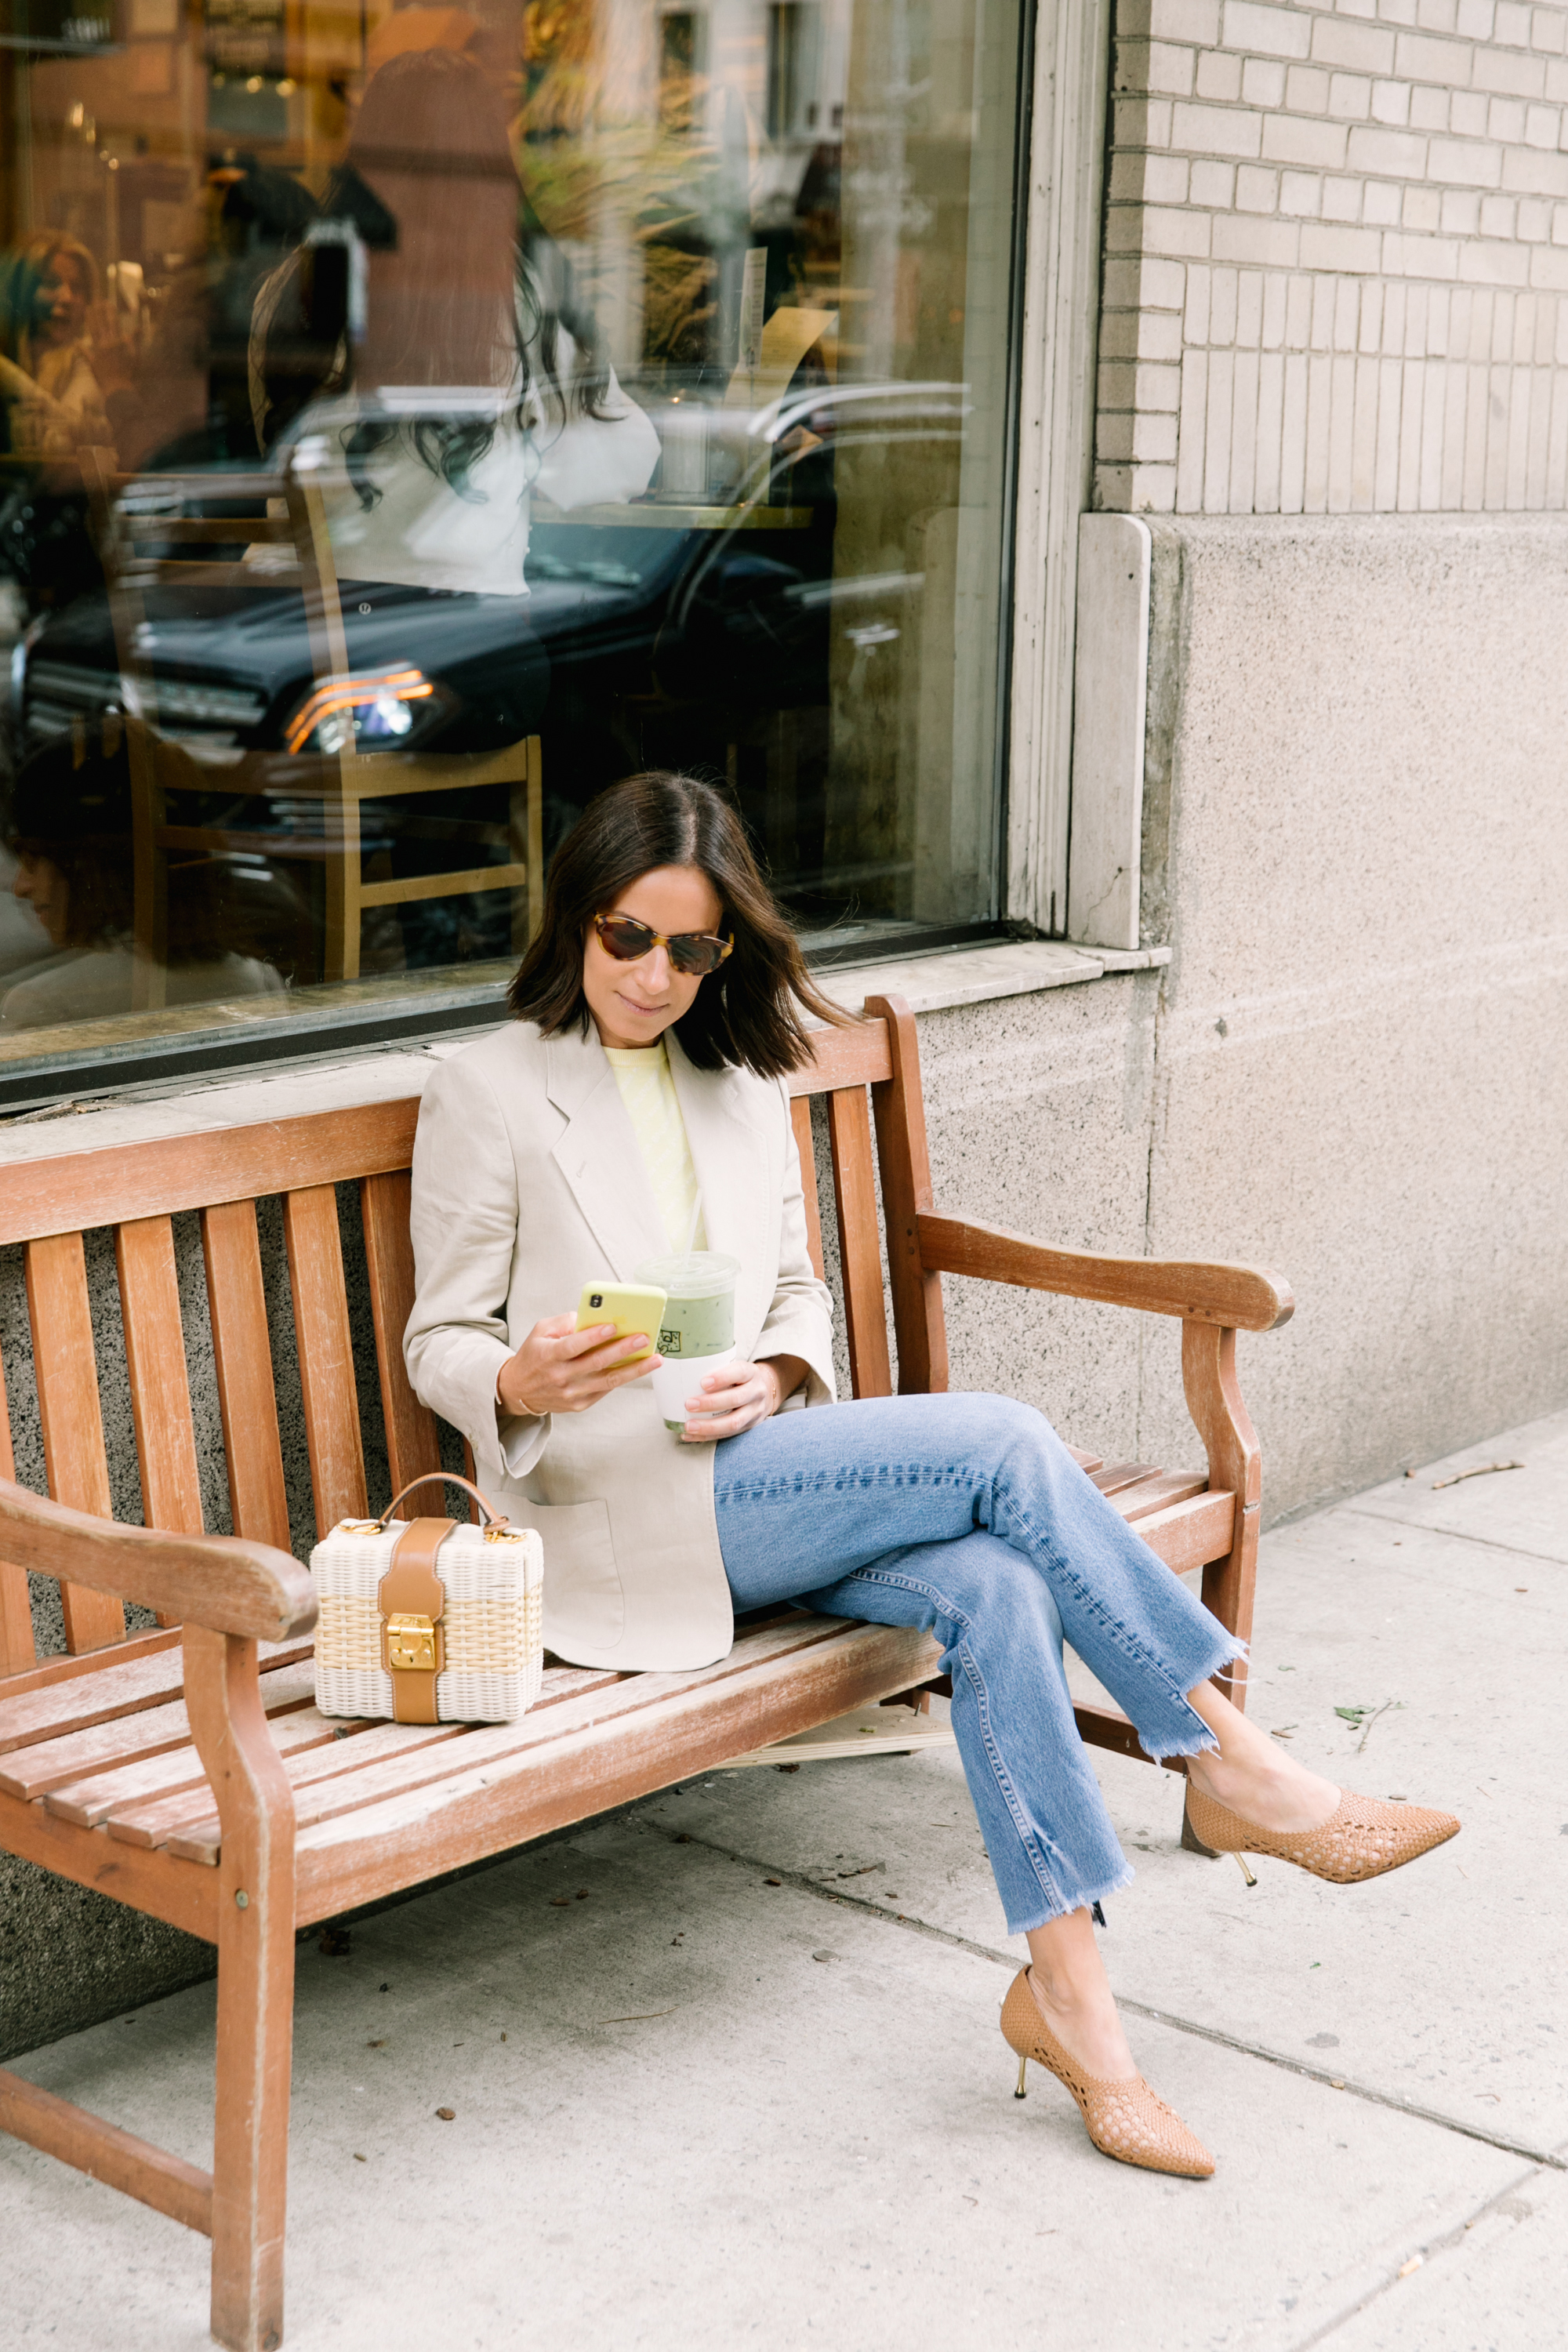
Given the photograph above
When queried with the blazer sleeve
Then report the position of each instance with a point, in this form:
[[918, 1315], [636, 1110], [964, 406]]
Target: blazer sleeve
[[463, 1218], [800, 1320]]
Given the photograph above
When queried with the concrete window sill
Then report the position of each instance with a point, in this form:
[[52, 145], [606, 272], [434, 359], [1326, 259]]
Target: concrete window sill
[[930, 983]]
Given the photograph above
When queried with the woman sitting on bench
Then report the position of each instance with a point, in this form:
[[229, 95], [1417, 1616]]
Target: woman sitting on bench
[[635, 1103]]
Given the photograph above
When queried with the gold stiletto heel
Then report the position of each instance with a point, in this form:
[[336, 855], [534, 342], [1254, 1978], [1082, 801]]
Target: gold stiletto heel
[[1124, 2118], [1241, 1865], [1363, 1837]]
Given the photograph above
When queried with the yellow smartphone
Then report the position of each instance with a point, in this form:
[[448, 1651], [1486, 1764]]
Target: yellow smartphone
[[629, 1305]]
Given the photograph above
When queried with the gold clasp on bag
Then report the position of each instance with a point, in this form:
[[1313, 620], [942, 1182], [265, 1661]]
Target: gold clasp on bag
[[413, 1645]]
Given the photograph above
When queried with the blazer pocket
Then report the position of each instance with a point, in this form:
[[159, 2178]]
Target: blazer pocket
[[582, 1594]]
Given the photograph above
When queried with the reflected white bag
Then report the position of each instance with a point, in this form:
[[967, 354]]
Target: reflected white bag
[[474, 1652]]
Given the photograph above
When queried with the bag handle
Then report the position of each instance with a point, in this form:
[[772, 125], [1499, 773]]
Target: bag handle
[[492, 1517]]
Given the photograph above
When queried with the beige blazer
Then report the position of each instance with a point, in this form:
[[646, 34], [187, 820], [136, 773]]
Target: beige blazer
[[528, 1183]]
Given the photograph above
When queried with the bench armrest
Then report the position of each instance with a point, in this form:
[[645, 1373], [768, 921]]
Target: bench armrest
[[223, 1583], [1238, 1297]]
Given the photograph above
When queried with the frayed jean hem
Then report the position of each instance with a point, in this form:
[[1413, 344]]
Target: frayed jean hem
[[1201, 1740], [1084, 1902]]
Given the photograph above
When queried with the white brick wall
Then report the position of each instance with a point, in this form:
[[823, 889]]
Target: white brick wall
[[1336, 241]]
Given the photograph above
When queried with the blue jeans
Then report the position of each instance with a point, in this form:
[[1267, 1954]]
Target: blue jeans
[[967, 1517]]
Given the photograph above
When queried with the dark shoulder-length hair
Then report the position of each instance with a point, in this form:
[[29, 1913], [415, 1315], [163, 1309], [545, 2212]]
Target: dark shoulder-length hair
[[748, 1013]]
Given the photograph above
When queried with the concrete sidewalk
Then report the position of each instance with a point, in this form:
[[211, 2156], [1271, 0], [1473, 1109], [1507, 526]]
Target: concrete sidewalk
[[745, 2086]]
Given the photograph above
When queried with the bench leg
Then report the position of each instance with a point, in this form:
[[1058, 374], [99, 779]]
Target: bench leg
[[250, 2141], [1213, 1399]]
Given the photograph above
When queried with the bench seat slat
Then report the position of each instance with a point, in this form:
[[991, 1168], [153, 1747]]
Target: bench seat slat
[[176, 1777], [1112, 1477], [1159, 1489], [66, 1366], [117, 1688], [326, 1355], [1190, 1534], [242, 1354], [90, 1764], [323, 1794], [377, 1848]]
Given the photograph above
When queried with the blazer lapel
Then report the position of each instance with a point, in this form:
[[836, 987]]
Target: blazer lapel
[[598, 1155], [730, 1155]]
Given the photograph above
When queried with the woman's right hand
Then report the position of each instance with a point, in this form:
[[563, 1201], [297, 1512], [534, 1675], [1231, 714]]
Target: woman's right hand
[[559, 1368]]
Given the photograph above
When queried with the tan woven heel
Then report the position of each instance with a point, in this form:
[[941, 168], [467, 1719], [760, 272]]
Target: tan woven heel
[[1363, 1837], [1124, 2118]]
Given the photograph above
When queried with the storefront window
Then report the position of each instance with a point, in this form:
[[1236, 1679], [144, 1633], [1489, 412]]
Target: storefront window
[[412, 420]]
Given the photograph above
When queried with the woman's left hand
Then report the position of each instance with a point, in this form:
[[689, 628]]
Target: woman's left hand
[[737, 1397]]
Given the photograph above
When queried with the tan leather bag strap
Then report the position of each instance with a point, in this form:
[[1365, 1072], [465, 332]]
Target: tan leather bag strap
[[413, 1600], [492, 1517]]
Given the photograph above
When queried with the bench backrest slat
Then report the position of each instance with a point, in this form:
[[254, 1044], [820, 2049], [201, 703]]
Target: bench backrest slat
[[326, 1355], [242, 1353], [18, 1649], [800, 1118], [412, 1449], [223, 1173], [159, 1387], [65, 1370], [859, 1248]]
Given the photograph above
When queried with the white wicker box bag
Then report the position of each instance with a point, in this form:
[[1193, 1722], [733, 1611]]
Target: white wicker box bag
[[429, 1621]]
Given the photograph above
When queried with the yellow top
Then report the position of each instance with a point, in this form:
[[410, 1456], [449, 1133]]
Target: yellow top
[[647, 1090]]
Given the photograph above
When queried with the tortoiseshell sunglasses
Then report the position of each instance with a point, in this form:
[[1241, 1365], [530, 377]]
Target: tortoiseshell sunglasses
[[693, 952]]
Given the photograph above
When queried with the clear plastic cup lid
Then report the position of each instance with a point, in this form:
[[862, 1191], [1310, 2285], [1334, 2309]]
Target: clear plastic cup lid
[[694, 1274]]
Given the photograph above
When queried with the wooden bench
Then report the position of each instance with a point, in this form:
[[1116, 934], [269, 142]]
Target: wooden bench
[[185, 1771]]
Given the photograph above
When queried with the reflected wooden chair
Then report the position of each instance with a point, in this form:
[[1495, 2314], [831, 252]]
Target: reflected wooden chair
[[290, 531]]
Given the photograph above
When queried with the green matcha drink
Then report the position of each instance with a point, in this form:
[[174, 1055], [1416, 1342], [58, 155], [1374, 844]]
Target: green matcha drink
[[700, 1305]]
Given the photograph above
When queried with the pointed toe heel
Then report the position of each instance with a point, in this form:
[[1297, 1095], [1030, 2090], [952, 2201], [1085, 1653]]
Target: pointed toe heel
[[1124, 2118], [1363, 1837]]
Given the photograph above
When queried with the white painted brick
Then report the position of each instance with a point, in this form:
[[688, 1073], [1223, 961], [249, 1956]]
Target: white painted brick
[[1265, 244], [1289, 140], [1534, 221], [1423, 210], [1420, 256], [1396, 12], [1256, 189], [1465, 162], [1549, 268], [1394, 152], [1461, 213], [1367, 8], [1474, 20], [1163, 285], [1157, 67], [1422, 58], [1351, 249], [1505, 120], [1121, 287], [1249, 308], [1362, 48], [1498, 216], [1349, 97], [1381, 204], [1511, 23], [1306, 90], [1526, 173], [1549, 30], [1129, 179], [1301, 194], [1505, 71], [1219, 75], [1165, 179], [1152, 489], [1184, 20], [1218, 130], [1213, 185], [1177, 233], [1200, 305], [1436, 15], [1494, 265], [1267, 32], [1560, 225], [1543, 126], [1391, 103], [1222, 308], [1341, 200], [1159, 389], [1467, 113], [1263, 82]]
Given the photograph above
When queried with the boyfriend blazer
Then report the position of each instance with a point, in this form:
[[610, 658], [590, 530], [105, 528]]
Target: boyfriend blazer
[[528, 1183]]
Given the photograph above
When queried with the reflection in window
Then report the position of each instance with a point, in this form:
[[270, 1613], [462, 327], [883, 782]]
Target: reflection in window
[[418, 419]]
